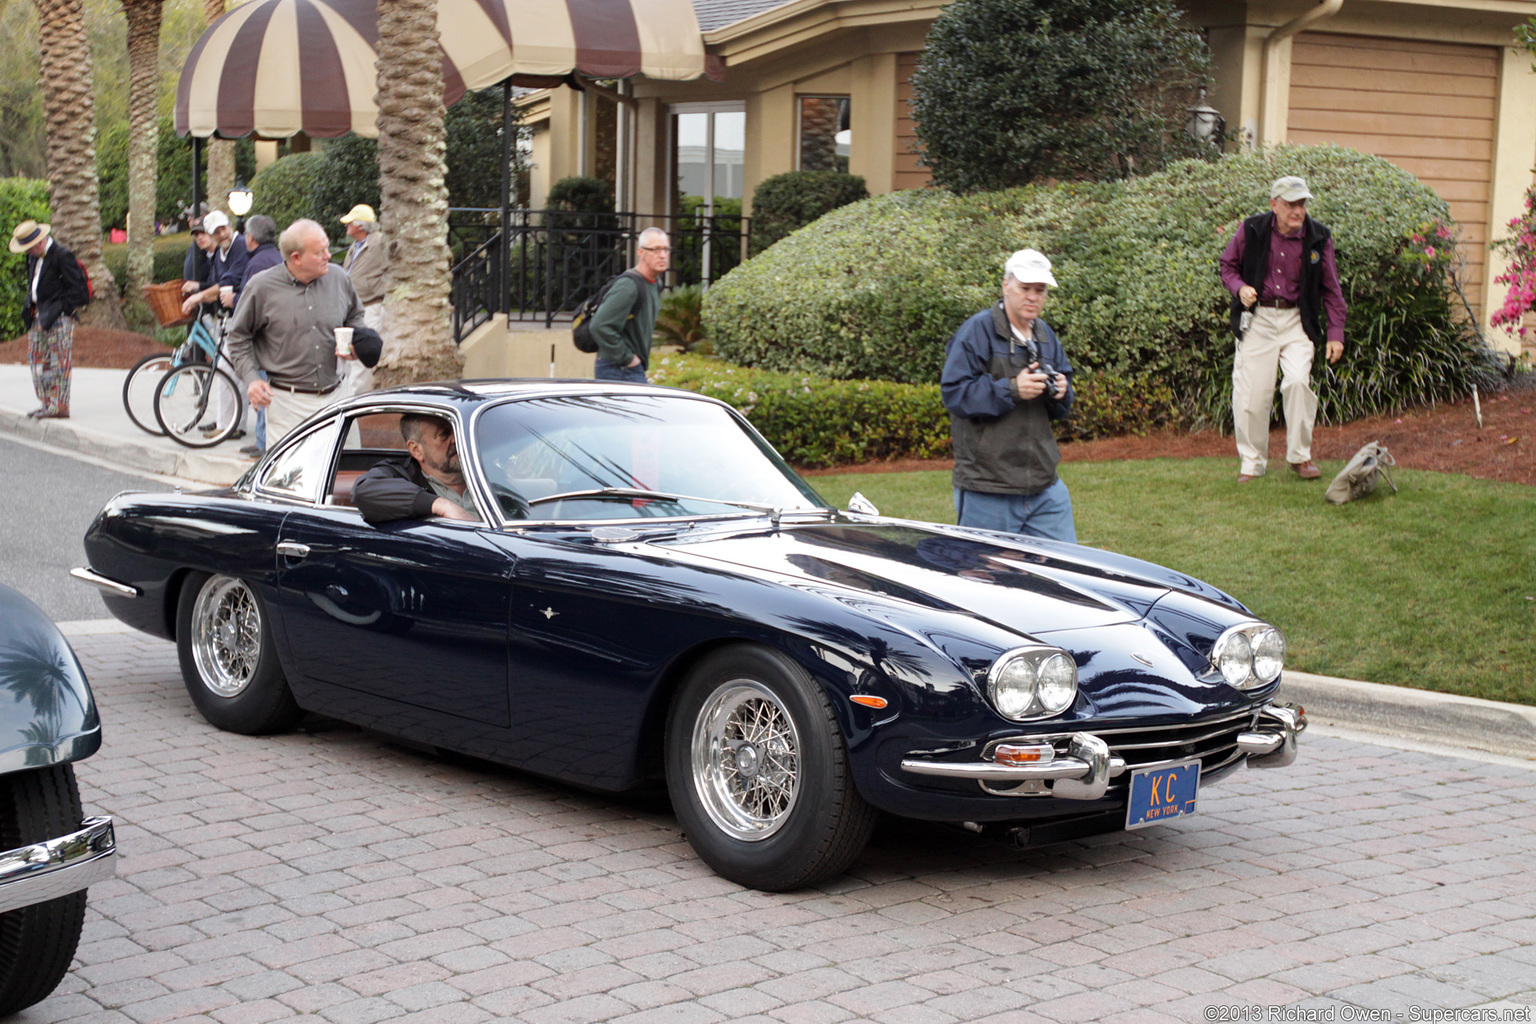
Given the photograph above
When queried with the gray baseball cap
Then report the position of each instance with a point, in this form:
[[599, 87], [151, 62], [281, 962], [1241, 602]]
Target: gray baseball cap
[[1290, 188]]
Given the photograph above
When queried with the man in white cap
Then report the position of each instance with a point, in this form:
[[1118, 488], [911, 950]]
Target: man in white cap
[[1006, 377], [56, 288], [1284, 282], [364, 263]]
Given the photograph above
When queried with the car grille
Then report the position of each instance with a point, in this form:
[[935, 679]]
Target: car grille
[[1212, 740]]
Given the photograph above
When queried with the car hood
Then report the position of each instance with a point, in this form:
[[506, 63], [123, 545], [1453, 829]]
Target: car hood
[[1022, 585]]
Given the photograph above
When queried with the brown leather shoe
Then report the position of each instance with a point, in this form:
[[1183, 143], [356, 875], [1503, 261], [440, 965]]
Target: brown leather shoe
[[1307, 470], [1243, 478]]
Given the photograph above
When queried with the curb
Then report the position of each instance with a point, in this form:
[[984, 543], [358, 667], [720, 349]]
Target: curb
[[190, 464], [1421, 716]]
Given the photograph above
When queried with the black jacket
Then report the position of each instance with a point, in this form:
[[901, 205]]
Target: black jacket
[[1256, 265], [394, 489], [60, 290]]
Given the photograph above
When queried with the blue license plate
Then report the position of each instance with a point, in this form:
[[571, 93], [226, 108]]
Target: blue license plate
[[1162, 794]]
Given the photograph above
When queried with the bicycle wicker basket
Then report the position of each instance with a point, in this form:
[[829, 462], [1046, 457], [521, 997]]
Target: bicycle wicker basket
[[165, 302]]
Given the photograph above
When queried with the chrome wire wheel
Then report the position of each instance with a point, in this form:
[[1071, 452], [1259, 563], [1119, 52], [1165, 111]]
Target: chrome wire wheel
[[226, 636], [746, 760]]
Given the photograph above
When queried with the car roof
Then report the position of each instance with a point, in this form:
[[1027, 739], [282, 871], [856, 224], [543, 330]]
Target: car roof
[[466, 394]]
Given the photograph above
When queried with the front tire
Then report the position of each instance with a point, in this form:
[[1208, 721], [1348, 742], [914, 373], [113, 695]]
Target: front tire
[[228, 658], [38, 942], [758, 773]]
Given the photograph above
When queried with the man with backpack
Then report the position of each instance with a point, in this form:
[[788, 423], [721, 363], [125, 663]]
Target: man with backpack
[[56, 288], [625, 319]]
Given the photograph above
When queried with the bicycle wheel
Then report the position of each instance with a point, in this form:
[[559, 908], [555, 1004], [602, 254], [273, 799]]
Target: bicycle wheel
[[139, 390], [198, 405]]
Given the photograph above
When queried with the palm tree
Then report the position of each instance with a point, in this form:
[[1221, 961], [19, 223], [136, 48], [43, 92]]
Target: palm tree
[[143, 138], [418, 340], [221, 152], [70, 108]]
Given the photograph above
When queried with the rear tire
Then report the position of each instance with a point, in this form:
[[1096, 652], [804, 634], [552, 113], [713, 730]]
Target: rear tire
[[758, 773], [228, 658], [139, 390], [196, 395], [38, 942]]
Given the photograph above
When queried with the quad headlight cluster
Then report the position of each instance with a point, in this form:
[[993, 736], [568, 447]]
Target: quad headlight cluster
[[1032, 682], [1249, 655]]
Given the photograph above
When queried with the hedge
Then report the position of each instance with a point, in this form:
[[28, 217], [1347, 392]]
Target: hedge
[[875, 289], [816, 422], [20, 199]]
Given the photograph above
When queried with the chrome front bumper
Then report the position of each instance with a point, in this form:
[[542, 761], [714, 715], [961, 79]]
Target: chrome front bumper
[[57, 867], [1084, 771], [105, 583]]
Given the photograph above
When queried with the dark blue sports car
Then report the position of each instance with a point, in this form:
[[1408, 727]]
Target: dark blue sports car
[[649, 593]]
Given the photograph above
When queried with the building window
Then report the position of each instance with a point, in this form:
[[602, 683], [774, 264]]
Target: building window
[[709, 145], [824, 133]]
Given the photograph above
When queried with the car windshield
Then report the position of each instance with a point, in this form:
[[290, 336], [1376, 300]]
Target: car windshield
[[629, 457]]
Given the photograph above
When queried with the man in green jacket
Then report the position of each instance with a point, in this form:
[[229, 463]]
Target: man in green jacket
[[623, 324]]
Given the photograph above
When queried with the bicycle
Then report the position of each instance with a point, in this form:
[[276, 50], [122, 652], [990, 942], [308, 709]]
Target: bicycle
[[174, 392]]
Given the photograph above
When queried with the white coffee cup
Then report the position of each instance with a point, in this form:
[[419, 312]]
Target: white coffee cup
[[343, 341], [226, 292]]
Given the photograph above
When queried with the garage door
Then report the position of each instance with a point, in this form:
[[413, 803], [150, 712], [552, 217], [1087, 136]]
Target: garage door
[[1428, 107]]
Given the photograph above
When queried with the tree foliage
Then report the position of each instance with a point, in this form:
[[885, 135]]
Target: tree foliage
[[1017, 91]]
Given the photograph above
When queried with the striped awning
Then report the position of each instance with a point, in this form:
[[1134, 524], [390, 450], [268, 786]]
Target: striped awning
[[278, 67]]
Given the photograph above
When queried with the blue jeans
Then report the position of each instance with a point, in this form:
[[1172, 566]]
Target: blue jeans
[[1047, 514], [604, 370]]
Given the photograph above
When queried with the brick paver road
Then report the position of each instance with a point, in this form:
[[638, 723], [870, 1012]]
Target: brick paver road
[[331, 875]]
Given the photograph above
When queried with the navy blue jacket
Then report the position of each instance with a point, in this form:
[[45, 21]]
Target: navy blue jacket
[[1002, 445]]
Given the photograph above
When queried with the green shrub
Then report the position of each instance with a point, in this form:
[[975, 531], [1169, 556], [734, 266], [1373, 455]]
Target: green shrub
[[786, 202], [815, 422], [874, 290], [347, 175], [20, 199], [290, 188]]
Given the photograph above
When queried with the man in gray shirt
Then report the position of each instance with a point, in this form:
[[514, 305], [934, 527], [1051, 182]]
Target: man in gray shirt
[[285, 324]]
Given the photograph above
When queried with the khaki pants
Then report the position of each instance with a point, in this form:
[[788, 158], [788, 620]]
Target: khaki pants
[[1274, 339], [288, 410]]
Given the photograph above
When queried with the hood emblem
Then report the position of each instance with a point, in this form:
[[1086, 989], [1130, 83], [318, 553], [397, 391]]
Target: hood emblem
[[1142, 658], [550, 613]]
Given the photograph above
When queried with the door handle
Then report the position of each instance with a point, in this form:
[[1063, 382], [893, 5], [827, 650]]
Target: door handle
[[292, 549]]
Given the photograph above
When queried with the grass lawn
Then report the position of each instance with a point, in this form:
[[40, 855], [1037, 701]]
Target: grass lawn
[[1433, 587]]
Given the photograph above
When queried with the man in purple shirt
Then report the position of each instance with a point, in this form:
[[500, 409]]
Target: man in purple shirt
[[1280, 270]]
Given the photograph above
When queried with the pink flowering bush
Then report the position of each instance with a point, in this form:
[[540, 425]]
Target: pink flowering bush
[[1520, 250]]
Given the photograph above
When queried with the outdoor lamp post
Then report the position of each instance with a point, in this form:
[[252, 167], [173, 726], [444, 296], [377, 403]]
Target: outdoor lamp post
[[240, 200], [1204, 123]]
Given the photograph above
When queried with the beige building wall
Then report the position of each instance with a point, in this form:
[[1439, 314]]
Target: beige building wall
[[1433, 85]]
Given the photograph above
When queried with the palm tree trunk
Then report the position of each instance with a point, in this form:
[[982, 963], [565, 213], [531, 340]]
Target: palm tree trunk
[[143, 139], [418, 342], [221, 152], [69, 105]]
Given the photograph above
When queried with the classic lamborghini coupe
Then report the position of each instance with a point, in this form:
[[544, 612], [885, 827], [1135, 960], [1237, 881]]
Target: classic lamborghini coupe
[[651, 594]]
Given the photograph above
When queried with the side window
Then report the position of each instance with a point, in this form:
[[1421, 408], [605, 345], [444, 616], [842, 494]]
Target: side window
[[301, 470]]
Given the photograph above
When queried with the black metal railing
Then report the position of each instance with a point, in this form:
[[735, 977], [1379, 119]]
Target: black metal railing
[[555, 259]]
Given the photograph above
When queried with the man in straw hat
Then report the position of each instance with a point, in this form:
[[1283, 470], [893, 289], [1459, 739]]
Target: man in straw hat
[[55, 288]]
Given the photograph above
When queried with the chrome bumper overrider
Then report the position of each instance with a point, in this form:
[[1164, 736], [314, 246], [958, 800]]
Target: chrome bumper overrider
[[58, 867], [1083, 773], [111, 586]]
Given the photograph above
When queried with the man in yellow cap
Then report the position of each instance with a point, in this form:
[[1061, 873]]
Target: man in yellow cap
[[364, 263], [55, 288]]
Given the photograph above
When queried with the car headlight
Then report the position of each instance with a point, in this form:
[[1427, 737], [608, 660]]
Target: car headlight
[[1032, 682], [1249, 655]]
